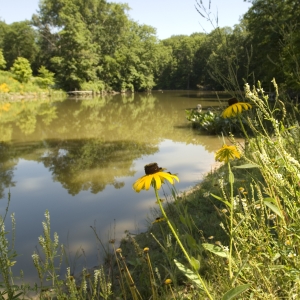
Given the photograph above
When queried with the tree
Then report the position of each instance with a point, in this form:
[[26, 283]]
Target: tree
[[179, 72], [274, 29], [90, 42], [45, 78], [19, 41], [21, 69]]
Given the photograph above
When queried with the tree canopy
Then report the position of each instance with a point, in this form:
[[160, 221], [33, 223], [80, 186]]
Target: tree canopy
[[94, 45]]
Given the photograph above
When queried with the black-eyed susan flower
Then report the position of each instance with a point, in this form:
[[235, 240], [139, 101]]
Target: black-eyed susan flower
[[227, 153], [154, 176], [235, 108], [157, 220]]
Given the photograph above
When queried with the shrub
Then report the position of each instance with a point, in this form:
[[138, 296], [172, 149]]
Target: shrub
[[21, 69]]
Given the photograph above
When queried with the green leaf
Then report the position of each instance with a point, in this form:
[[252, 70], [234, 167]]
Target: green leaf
[[191, 241], [215, 249], [231, 294], [274, 208], [189, 273], [16, 296], [195, 263], [182, 219], [269, 199], [246, 166], [276, 256], [220, 199]]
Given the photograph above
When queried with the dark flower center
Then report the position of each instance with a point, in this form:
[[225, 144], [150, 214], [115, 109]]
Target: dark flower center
[[232, 101], [152, 168]]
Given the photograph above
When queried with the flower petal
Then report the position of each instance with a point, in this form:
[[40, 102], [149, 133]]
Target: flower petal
[[138, 185], [157, 181], [148, 181]]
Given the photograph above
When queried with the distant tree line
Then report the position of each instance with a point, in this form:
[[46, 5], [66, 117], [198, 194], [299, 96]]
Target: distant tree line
[[94, 45]]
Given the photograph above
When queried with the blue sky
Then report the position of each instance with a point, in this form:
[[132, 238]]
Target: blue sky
[[169, 17]]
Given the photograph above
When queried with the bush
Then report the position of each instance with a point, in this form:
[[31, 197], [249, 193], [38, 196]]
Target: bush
[[21, 70]]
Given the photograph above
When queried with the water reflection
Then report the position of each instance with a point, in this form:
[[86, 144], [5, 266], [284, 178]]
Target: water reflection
[[79, 158], [92, 164]]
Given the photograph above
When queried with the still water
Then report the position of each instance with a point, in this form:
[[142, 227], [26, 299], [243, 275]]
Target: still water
[[78, 158]]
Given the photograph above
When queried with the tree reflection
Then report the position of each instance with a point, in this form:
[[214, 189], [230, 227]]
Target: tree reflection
[[93, 164], [7, 164]]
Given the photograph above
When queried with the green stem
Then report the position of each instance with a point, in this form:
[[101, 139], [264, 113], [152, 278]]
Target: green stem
[[231, 222], [180, 244], [243, 128]]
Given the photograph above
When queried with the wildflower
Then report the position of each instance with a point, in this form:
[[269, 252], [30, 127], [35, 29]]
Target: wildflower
[[227, 153], [146, 250], [257, 206], [154, 176], [235, 108], [157, 220], [161, 201], [241, 189], [278, 176], [271, 217], [288, 243], [119, 250], [225, 248], [291, 254], [206, 194], [168, 281]]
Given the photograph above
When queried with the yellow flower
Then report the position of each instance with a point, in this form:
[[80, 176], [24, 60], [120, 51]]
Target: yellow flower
[[154, 176], [168, 281], [227, 153], [157, 220], [235, 108]]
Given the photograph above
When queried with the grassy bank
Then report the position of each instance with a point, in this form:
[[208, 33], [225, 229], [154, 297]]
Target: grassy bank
[[235, 236], [35, 87]]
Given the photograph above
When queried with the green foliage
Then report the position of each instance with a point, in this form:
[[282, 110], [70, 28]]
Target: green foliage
[[211, 122], [96, 86], [45, 78], [2, 60], [19, 40], [21, 70]]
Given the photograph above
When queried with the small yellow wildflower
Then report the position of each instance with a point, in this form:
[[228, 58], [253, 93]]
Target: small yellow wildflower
[[154, 176], [157, 220], [146, 250], [227, 153], [235, 108], [168, 281]]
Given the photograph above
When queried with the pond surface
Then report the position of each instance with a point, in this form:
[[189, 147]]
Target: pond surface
[[78, 158]]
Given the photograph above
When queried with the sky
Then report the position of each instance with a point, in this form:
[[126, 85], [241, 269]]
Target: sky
[[169, 17]]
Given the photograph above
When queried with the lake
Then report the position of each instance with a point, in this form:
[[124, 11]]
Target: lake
[[78, 158]]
